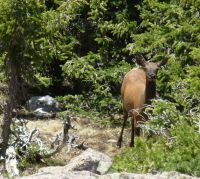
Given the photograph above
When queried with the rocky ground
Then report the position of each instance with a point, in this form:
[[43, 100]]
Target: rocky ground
[[102, 139], [93, 163]]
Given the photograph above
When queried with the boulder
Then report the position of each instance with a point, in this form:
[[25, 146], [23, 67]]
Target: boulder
[[11, 162], [92, 164], [90, 160], [52, 174], [43, 106], [46, 103], [40, 113], [68, 175], [164, 175]]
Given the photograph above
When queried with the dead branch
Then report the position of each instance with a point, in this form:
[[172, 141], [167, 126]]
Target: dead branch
[[31, 134], [65, 139], [56, 141], [21, 139], [66, 127]]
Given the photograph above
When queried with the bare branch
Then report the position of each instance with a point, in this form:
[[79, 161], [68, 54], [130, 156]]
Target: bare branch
[[31, 134]]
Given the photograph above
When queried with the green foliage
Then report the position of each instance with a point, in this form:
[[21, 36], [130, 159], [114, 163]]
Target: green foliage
[[73, 103], [29, 157], [173, 144], [168, 25], [111, 29], [100, 80], [180, 152], [163, 115], [87, 106], [99, 67], [23, 36]]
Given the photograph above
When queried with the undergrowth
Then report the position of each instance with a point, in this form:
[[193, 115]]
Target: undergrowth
[[81, 106], [181, 153]]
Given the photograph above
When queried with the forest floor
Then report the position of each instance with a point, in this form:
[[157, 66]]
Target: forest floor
[[102, 139]]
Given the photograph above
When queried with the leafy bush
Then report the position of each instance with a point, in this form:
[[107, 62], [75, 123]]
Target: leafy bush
[[102, 83], [86, 107], [174, 142], [180, 152], [30, 156]]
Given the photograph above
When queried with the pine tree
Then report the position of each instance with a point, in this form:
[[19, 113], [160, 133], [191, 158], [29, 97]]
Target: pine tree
[[22, 34]]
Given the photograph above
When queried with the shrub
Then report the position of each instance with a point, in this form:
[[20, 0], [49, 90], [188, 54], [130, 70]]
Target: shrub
[[179, 153], [174, 145]]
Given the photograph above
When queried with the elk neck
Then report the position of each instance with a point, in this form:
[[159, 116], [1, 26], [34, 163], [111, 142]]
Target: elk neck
[[150, 91]]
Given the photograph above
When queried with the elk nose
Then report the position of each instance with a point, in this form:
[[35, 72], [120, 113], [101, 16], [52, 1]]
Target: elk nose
[[153, 76]]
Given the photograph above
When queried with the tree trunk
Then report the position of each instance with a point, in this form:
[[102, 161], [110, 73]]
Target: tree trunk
[[15, 92], [7, 119], [9, 106]]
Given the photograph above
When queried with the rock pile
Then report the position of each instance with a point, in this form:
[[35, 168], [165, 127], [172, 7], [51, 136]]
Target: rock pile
[[92, 164]]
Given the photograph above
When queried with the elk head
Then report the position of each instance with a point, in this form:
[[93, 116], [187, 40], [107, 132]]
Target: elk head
[[151, 68]]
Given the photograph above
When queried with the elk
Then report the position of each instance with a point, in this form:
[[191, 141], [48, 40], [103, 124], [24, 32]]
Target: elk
[[137, 90]]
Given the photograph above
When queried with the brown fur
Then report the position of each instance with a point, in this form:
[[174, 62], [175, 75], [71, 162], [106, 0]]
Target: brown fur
[[138, 88]]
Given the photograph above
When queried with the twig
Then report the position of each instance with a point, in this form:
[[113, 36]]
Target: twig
[[66, 127], [31, 135]]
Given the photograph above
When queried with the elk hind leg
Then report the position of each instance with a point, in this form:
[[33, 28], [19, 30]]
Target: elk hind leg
[[137, 128], [122, 130], [133, 124]]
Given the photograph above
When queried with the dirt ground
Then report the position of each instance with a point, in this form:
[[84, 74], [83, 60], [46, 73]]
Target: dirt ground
[[101, 139]]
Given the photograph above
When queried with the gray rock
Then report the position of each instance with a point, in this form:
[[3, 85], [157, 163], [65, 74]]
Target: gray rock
[[11, 162], [52, 174], [46, 103], [90, 160], [92, 164], [68, 175], [40, 113], [164, 175], [43, 106]]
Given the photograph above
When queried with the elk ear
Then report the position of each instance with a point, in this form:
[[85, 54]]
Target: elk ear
[[140, 59], [162, 62]]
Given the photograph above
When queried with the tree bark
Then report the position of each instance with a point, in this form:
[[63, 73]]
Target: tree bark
[[15, 92], [9, 106]]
